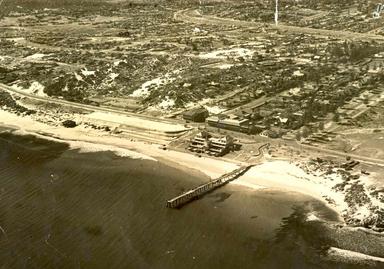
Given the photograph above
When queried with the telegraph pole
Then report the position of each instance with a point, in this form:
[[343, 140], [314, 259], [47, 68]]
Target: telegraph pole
[[277, 13]]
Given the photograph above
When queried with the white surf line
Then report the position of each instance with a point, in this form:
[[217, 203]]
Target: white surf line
[[1, 228], [353, 255]]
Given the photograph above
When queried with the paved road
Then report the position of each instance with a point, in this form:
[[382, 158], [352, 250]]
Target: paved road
[[193, 16], [83, 106]]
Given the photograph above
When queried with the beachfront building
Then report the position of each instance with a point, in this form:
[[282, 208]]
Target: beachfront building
[[196, 115], [215, 146], [233, 123]]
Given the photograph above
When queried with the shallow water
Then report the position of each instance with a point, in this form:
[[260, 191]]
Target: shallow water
[[63, 209]]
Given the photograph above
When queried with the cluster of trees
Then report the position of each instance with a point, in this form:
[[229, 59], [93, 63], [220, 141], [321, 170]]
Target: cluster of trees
[[200, 84], [316, 104], [315, 73], [282, 83], [66, 88], [7, 100], [40, 4], [329, 102], [317, 4], [79, 87], [353, 51], [7, 76], [6, 43]]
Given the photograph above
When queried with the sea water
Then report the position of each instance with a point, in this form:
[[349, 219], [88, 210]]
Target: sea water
[[63, 209]]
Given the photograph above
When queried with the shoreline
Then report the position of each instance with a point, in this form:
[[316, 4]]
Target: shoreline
[[271, 174]]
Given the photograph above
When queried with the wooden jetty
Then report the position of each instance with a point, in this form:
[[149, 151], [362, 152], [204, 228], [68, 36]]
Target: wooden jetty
[[199, 191]]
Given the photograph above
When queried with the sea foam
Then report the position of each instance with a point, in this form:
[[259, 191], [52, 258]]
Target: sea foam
[[86, 147]]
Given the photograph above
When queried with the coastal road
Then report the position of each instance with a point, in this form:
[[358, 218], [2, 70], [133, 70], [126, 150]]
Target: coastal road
[[110, 110], [336, 153], [90, 108], [193, 16]]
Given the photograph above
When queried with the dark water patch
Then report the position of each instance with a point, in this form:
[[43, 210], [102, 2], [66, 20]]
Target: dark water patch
[[4, 129], [323, 212], [28, 149], [298, 243], [296, 230], [220, 196], [95, 230]]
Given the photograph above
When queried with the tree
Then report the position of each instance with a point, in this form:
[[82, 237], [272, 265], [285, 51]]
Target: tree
[[298, 136], [194, 46], [321, 126], [336, 116], [305, 131], [69, 123]]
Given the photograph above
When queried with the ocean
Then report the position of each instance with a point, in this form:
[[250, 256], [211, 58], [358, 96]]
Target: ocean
[[60, 208]]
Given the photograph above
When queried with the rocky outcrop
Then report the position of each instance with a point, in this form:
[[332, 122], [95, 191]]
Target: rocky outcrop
[[364, 204]]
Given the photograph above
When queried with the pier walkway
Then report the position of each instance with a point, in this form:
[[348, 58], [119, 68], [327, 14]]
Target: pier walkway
[[199, 191]]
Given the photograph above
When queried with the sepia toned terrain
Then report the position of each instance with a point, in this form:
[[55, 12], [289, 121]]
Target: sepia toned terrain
[[124, 73]]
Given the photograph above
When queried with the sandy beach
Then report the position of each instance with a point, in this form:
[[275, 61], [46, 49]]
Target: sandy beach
[[270, 174]]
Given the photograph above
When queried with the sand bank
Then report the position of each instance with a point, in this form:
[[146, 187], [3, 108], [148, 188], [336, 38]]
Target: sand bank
[[353, 256]]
